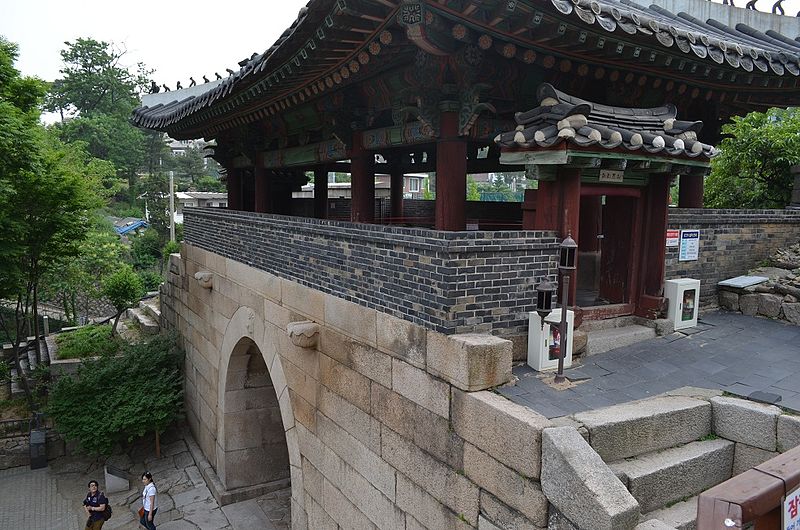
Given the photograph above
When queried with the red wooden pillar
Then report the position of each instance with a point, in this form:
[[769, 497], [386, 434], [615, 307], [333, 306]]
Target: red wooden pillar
[[654, 247], [362, 184], [261, 185], [569, 180], [690, 191], [529, 210], [234, 188], [396, 192], [547, 206], [451, 176], [321, 193]]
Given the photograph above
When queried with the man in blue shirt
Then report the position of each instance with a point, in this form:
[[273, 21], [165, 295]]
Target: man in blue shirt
[[94, 504]]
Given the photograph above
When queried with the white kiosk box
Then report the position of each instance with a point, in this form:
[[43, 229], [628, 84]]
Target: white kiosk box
[[684, 301], [544, 343]]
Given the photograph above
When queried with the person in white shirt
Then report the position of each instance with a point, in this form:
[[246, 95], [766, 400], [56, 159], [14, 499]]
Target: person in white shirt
[[149, 502]]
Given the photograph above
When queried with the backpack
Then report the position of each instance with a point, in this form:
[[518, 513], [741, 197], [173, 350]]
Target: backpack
[[107, 512]]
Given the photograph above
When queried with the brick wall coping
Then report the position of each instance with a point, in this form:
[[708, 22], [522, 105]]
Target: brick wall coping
[[708, 216]]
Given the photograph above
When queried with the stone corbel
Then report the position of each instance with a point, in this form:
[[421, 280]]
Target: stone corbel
[[205, 279], [304, 334]]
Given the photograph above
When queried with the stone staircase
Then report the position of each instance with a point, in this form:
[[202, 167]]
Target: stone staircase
[[665, 453], [147, 315], [609, 334]]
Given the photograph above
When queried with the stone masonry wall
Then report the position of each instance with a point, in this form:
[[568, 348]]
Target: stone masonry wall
[[453, 282], [731, 243], [387, 423]]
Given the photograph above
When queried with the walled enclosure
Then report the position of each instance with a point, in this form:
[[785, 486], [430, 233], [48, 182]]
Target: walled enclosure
[[386, 424]]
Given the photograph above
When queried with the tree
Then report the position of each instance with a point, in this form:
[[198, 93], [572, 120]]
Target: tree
[[46, 198], [472, 189], [134, 393], [123, 289], [753, 168]]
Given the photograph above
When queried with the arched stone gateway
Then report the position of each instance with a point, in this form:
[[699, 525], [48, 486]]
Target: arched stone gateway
[[256, 442]]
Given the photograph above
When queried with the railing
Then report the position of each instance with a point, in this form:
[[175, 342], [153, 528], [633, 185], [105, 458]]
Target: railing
[[14, 428], [752, 499]]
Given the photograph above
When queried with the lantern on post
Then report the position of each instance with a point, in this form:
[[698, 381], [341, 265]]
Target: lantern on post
[[544, 299], [568, 251]]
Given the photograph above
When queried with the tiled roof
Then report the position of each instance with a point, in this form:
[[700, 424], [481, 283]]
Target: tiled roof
[[740, 47], [564, 118]]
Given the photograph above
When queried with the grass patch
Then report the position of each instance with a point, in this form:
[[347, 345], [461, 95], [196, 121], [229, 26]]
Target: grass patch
[[708, 437], [87, 341]]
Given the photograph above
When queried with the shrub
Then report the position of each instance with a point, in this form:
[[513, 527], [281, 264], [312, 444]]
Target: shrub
[[87, 341], [137, 392], [150, 280]]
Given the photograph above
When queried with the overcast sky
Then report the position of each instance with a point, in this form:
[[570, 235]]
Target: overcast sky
[[176, 39]]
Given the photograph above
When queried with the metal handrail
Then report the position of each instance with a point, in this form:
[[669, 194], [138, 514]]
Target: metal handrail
[[14, 428], [755, 496]]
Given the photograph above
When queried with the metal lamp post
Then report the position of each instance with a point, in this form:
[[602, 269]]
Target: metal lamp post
[[566, 264]]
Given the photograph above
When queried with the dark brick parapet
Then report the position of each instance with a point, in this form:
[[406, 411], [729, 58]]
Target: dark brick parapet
[[453, 282]]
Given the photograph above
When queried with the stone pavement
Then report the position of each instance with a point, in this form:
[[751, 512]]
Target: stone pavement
[[728, 351], [52, 497]]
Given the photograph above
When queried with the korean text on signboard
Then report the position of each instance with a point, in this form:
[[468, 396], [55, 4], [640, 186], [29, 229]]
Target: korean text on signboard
[[673, 238], [689, 246], [791, 511]]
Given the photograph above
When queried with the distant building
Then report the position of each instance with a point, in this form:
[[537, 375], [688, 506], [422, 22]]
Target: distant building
[[128, 225], [201, 199]]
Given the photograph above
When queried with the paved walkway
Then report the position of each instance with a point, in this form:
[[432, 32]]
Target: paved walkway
[[51, 498], [747, 356]]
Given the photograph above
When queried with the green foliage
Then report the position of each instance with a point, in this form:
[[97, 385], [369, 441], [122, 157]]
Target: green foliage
[[156, 192], [171, 247], [146, 249], [87, 341], [209, 183], [123, 288], [116, 399], [473, 194], [190, 167], [150, 279], [752, 170]]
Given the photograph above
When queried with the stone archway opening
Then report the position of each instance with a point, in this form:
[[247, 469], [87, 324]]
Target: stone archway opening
[[254, 452]]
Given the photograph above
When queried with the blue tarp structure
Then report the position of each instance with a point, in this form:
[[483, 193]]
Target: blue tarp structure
[[130, 226]]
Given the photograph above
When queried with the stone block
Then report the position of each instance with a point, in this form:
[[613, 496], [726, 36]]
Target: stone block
[[362, 358], [509, 432], [356, 455], [631, 429], [304, 412], [440, 481], [748, 304], [729, 300], [788, 432], [769, 305], [421, 388], [654, 524], [355, 421], [511, 488], [558, 521], [502, 515], [318, 519], [429, 431], [304, 300], [747, 422], [344, 381], [580, 485], [341, 510], [791, 312], [416, 502], [746, 457], [469, 361], [352, 319], [485, 524], [402, 339], [657, 479], [679, 516], [312, 480]]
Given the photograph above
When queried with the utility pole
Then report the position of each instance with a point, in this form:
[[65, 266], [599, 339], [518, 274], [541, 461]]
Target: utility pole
[[172, 206]]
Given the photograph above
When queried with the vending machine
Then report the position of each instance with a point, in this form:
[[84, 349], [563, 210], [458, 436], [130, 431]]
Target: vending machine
[[683, 296], [544, 341]]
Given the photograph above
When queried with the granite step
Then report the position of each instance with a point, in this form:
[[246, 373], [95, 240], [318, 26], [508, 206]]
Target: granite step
[[143, 320], [603, 340], [681, 515], [152, 307], [657, 479], [639, 427]]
